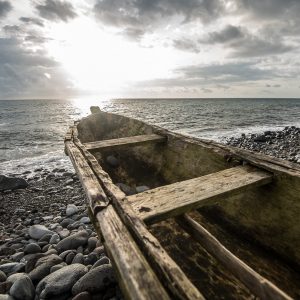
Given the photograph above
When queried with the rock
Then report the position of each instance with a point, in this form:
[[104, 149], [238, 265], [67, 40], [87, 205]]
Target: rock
[[32, 248], [78, 259], [66, 222], [11, 268], [85, 220], [54, 239], [83, 296], [64, 254], [43, 267], [126, 189], [70, 257], [22, 289], [102, 261], [17, 256], [4, 287], [38, 231], [31, 260], [2, 276], [92, 241], [71, 210], [10, 183], [57, 267], [60, 281], [45, 238], [142, 188], [64, 233], [112, 161], [5, 251], [91, 259], [95, 281], [73, 241], [99, 251]]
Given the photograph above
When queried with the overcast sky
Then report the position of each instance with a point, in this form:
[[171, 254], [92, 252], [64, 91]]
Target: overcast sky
[[149, 48]]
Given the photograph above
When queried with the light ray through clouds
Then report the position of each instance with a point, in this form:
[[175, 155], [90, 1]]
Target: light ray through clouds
[[161, 48]]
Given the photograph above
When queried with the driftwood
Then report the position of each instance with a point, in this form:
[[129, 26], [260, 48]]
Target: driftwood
[[257, 284], [122, 142], [178, 198]]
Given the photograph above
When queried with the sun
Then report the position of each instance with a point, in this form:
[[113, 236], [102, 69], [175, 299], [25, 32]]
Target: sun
[[101, 60]]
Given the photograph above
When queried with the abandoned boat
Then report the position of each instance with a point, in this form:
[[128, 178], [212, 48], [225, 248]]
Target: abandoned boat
[[209, 221]]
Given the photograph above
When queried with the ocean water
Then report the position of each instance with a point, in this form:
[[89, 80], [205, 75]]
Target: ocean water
[[32, 131]]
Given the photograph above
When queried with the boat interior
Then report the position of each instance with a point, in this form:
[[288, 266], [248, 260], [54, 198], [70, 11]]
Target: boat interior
[[244, 207]]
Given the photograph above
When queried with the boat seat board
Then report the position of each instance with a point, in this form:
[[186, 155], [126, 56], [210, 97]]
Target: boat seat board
[[126, 141], [178, 198]]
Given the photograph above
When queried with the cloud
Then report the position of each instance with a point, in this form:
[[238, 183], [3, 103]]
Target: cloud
[[5, 8], [54, 10], [147, 15], [33, 21], [227, 34], [22, 72], [187, 45], [274, 85], [213, 76]]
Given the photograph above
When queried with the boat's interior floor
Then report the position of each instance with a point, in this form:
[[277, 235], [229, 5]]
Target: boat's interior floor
[[206, 272]]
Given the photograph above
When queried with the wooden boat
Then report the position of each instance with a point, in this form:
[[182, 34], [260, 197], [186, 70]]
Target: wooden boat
[[217, 222]]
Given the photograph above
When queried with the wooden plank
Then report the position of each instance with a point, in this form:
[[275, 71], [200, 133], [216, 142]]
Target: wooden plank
[[137, 140], [178, 198], [168, 271], [95, 194], [257, 284], [136, 277]]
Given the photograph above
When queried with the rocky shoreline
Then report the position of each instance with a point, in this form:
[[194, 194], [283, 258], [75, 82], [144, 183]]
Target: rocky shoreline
[[48, 247], [284, 144]]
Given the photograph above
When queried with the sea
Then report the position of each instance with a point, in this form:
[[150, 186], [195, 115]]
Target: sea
[[32, 131]]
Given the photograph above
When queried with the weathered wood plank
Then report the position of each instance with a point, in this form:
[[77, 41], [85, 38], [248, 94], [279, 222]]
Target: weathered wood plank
[[178, 198], [256, 283], [168, 271], [95, 194], [127, 141], [136, 277]]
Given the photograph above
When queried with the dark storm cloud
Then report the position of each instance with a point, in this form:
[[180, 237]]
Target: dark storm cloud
[[5, 8], [33, 21], [228, 34], [22, 72], [56, 10], [187, 45], [146, 15]]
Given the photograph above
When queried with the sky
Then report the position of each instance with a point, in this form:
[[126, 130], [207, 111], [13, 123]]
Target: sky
[[149, 48]]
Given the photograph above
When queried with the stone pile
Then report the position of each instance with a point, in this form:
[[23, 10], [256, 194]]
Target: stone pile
[[284, 144], [51, 251]]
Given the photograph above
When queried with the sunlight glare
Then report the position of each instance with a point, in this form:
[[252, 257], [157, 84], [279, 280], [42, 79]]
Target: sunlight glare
[[99, 60]]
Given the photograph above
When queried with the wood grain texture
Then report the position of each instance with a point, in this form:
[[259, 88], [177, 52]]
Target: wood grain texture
[[95, 194], [136, 277], [257, 284], [125, 142], [178, 198], [168, 271]]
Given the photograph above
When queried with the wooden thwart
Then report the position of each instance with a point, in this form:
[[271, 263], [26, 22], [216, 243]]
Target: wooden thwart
[[257, 284], [123, 142], [178, 198]]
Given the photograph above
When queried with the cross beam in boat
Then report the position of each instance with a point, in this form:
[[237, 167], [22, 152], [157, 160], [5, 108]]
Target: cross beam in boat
[[178, 198], [137, 140]]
